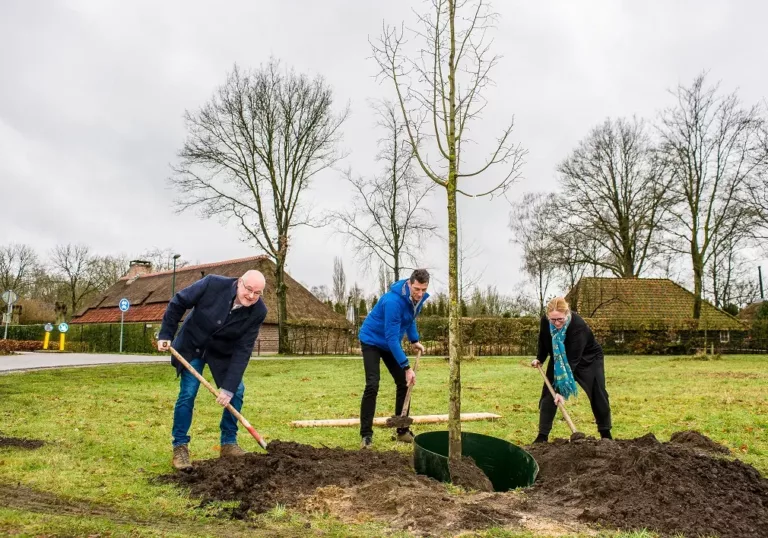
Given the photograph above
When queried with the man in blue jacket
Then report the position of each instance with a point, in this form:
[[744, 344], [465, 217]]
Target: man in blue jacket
[[226, 314], [380, 338]]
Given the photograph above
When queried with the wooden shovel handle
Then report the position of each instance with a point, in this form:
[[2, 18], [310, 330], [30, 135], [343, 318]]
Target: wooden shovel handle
[[560, 405], [407, 401], [235, 412]]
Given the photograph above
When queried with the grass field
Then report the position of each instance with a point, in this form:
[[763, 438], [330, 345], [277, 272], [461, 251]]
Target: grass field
[[107, 431]]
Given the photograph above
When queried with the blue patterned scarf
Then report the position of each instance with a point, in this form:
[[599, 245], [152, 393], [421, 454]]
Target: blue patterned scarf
[[565, 384]]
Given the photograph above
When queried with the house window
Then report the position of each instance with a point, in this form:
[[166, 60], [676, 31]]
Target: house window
[[725, 337], [619, 337]]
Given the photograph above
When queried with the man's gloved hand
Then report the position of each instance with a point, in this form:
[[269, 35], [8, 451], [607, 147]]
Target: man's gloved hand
[[163, 345], [224, 397], [410, 377]]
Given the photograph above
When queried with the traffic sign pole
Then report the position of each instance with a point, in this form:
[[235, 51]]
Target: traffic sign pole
[[9, 297], [122, 318], [124, 305]]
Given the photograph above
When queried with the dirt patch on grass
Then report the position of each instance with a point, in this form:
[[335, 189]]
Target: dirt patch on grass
[[20, 442], [677, 487]]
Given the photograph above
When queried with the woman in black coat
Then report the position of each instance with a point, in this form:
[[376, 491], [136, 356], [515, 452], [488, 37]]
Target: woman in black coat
[[585, 359]]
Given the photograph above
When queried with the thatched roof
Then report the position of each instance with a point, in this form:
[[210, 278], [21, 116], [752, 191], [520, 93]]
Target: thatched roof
[[645, 303], [149, 294]]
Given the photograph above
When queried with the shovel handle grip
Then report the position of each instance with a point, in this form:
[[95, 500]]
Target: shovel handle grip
[[407, 401], [560, 405], [235, 412]]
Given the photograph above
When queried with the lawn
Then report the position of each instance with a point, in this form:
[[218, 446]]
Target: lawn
[[107, 431]]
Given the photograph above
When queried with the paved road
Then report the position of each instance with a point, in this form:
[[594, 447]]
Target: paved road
[[33, 361]]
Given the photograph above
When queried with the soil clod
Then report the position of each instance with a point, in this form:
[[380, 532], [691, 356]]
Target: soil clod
[[398, 422], [467, 474]]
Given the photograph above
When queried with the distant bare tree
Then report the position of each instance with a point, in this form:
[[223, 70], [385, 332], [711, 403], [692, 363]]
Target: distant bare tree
[[531, 230], [727, 269], [385, 278], [321, 292], [616, 193], [712, 149], [339, 281], [250, 154], [75, 268], [162, 259], [17, 266], [386, 220], [108, 269], [469, 277]]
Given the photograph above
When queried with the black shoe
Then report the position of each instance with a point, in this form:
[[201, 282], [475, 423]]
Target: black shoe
[[367, 442], [605, 434], [541, 438]]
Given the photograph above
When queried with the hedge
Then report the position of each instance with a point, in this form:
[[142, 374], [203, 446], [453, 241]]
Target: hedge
[[94, 338]]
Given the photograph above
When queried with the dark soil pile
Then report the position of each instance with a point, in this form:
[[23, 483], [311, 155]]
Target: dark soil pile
[[682, 487], [642, 483], [398, 422], [20, 442], [467, 474], [693, 439]]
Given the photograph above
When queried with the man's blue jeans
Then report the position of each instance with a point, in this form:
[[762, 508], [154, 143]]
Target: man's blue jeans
[[185, 404]]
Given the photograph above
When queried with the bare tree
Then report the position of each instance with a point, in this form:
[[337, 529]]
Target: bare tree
[[339, 281], [530, 224], [321, 292], [615, 192], [74, 267], [712, 149], [727, 270], [439, 87], [469, 277], [17, 266], [386, 220], [107, 270], [385, 279], [250, 154], [162, 259]]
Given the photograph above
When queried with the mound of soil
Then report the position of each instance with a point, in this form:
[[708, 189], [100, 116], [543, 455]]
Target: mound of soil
[[467, 474], [671, 488], [398, 422], [666, 487], [20, 442], [694, 439]]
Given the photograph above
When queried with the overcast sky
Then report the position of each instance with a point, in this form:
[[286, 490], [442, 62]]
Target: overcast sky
[[93, 93]]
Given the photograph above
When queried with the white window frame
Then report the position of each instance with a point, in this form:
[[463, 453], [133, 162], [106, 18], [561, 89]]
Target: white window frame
[[725, 337], [619, 338]]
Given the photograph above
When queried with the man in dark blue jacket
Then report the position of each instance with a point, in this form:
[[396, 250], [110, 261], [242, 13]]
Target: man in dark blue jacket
[[219, 331], [380, 338]]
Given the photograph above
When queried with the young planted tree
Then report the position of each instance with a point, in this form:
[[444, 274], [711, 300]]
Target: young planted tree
[[250, 155], [616, 196], [713, 150], [439, 87], [386, 221]]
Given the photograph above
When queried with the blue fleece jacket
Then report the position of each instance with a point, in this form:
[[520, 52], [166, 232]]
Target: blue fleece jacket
[[393, 316]]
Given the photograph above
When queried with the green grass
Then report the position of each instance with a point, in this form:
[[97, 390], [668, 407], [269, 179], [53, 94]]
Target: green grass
[[108, 431]]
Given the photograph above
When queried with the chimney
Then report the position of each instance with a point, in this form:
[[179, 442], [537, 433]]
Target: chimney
[[138, 268]]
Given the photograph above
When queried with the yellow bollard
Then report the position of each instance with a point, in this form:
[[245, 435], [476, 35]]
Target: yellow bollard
[[46, 340], [61, 342]]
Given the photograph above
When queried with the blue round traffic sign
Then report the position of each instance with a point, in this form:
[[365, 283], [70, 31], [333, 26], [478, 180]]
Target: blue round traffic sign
[[63, 327], [48, 327], [124, 304]]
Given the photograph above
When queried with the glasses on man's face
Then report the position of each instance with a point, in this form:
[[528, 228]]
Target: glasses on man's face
[[249, 290], [557, 320]]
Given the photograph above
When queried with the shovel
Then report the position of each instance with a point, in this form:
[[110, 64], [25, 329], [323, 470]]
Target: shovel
[[575, 434], [403, 421], [213, 391]]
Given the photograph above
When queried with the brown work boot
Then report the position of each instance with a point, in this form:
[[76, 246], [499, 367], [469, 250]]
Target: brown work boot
[[181, 458], [231, 450]]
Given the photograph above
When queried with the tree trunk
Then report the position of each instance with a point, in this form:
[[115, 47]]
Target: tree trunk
[[698, 276], [282, 307], [454, 336]]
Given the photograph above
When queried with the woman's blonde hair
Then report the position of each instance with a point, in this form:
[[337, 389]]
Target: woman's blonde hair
[[558, 304]]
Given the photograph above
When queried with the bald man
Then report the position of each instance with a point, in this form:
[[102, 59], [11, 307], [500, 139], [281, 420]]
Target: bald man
[[220, 331]]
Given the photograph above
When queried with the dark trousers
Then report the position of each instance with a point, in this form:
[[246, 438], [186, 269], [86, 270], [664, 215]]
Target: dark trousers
[[372, 357], [592, 379]]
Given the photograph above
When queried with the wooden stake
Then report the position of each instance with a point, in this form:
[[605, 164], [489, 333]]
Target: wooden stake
[[382, 421]]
